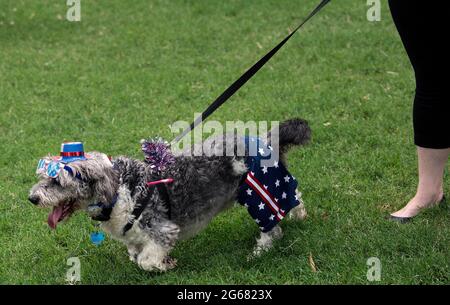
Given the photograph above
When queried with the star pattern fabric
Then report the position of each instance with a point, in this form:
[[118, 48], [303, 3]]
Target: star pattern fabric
[[268, 192]]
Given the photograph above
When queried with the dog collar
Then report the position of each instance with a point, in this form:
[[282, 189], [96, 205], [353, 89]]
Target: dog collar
[[102, 211]]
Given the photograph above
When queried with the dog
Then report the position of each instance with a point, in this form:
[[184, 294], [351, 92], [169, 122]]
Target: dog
[[149, 220]]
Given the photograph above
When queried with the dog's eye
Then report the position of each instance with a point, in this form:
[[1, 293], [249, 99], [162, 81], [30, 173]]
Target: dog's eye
[[55, 182]]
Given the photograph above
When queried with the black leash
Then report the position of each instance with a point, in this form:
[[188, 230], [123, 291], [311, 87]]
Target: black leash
[[142, 204], [137, 210], [245, 77], [162, 191]]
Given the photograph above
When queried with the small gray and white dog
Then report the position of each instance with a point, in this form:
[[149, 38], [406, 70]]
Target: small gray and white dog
[[203, 187]]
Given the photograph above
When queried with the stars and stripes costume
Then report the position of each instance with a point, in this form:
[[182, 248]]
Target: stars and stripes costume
[[268, 192]]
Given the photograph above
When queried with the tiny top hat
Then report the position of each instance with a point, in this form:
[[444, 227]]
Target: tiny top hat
[[72, 151]]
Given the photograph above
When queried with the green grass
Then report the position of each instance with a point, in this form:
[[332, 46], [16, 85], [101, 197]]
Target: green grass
[[131, 68]]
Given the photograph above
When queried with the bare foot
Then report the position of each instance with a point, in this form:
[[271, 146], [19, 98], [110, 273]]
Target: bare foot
[[416, 204]]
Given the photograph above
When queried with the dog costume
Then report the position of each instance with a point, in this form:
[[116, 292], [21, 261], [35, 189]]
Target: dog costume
[[268, 192]]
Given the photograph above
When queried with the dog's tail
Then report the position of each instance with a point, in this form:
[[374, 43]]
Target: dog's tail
[[290, 133]]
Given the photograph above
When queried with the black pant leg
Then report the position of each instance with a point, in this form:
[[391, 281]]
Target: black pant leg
[[422, 28]]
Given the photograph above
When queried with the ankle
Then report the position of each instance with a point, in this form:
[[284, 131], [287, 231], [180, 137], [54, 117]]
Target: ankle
[[427, 198]]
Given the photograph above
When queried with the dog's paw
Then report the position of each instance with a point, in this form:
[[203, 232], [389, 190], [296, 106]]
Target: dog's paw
[[257, 252], [152, 265], [170, 262], [299, 212], [167, 264], [133, 253], [265, 242], [133, 258]]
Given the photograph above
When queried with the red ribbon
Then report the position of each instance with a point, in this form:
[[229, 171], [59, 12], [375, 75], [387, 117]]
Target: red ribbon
[[168, 180], [72, 154]]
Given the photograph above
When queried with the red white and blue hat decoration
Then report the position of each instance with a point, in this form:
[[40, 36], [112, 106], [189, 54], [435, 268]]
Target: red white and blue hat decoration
[[70, 152]]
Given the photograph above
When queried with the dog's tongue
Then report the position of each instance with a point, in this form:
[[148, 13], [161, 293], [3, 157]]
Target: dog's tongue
[[55, 215]]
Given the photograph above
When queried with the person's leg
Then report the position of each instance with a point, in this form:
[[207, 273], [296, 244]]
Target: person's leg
[[432, 163], [419, 24]]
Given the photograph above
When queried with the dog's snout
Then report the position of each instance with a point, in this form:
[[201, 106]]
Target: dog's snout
[[34, 199]]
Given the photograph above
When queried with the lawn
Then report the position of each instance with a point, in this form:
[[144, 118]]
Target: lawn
[[131, 68]]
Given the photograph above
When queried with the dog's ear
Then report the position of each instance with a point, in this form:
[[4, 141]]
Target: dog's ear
[[99, 172], [67, 176], [105, 185]]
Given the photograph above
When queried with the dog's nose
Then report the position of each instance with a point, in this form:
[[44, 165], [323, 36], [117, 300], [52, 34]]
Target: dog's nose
[[34, 199]]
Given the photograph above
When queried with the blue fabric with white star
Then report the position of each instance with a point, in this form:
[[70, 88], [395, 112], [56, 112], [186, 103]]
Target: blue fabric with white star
[[268, 192]]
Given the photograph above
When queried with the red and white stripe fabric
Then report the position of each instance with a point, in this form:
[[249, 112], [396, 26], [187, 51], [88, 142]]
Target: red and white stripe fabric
[[265, 196]]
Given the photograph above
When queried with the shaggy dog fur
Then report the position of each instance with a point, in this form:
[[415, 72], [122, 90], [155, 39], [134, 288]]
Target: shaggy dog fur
[[203, 187]]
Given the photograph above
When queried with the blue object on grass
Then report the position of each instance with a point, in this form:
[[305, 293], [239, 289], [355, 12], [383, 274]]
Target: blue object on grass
[[97, 238]]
